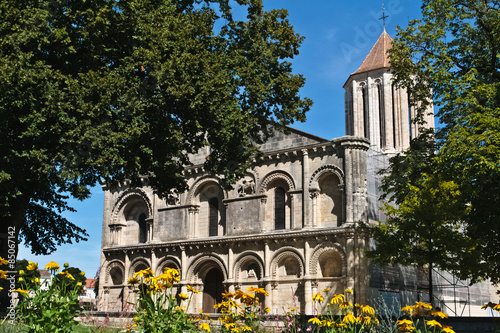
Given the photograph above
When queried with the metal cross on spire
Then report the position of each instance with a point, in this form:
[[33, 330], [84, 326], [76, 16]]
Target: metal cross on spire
[[383, 16]]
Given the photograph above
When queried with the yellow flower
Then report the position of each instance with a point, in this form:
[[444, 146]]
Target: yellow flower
[[52, 266], [184, 296], [424, 305], [3, 261], [1, 288], [191, 289], [497, 307], [66, 265], [408, 309], [337, 299], [439, 314], [349, 318], [327, 323], [82, 273], [3, 274], [146, 273], [235, 329], [78, 284], [315, 321], [267, 310], [227, 295], [32, 266], [35, 280], [368, 310], [349, 291], [433, 323], [345, 305], [69, 276], [205, 327], [21, 279], [325, 290], [133, 280], [447, 329], [318, 297], [21, 272], [405, 322], [228, 325], [258, 290], [21, 291]]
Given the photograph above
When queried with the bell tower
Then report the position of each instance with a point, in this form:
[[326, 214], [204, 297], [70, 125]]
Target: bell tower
[[375, 108]]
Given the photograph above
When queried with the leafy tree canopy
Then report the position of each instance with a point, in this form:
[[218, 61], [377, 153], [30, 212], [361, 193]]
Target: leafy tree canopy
[[451, 56], [103, 91]]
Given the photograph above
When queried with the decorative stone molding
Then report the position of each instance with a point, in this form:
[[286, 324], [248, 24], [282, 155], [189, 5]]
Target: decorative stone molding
[[283, 253], [325, 247], [245, 258], [329, 168], [125, 198], [203, 263], [114, 264], [274, 176], [137, 262], [168, 261], [199, 184]]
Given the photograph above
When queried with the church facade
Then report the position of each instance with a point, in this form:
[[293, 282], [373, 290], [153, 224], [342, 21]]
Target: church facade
[[288, 226]]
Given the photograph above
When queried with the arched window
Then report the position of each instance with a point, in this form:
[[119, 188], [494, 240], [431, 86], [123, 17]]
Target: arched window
[[213, 218], [279, 208], [366, 114]]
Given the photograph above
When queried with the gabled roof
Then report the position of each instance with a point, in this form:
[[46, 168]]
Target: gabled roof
[[378, 56]]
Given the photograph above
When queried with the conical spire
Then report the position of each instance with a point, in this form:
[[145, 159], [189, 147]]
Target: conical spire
[[378, 56]]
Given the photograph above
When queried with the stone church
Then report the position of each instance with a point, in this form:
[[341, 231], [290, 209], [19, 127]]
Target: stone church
[[288, 226]]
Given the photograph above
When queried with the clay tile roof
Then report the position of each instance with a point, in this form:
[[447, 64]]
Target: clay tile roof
[[44, 274], [378, 57], [90, 283]]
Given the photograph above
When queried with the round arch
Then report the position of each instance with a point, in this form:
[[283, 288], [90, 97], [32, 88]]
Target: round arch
[[199, 184], [245, 260], [168, 261], [334, 248], [115, 266], [128, 196], [202, 264], [325, 169], [136, 264], [275, 175], [284, 253]]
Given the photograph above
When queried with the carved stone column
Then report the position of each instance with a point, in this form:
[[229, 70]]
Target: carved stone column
[[305, 186], [149, 230], [314, 194]]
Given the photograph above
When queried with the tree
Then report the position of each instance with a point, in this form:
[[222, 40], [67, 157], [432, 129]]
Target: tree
[[103, 91], [452, 56], [425, 214]]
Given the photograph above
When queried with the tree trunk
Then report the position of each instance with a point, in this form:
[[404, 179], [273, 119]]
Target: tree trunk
[[10, 227]]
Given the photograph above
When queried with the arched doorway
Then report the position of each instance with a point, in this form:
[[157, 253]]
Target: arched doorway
[[212, 290]]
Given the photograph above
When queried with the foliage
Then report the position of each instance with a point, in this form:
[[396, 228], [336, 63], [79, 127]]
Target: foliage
[[49, 310], [341, 315], [103, 91], [157, 307], [451, 56], [425, 214], [241, 311]]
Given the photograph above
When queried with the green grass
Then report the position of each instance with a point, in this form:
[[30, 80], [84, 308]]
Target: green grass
[[17, 328]]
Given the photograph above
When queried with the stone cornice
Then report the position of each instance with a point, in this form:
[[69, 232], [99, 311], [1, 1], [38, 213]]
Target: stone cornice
[[347, 232]]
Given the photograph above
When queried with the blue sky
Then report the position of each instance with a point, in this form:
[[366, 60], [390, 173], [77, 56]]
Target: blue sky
[[339, 34]]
